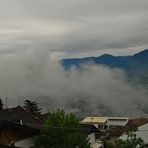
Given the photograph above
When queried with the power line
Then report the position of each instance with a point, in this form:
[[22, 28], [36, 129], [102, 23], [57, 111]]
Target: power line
[[56, 127], [71, 128]]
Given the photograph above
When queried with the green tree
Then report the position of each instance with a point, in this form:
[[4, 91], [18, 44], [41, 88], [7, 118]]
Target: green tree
[[132, 140], [62, 130], [32, 107]]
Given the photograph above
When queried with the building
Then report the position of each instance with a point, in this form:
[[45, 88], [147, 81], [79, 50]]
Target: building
[[19, 135], [106, 123], [18, 127], [103, 126]]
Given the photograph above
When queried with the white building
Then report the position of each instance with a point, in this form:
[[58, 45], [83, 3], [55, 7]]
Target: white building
[[105, 123]]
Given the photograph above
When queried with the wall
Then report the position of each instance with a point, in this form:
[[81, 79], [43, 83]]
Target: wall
[[142, 132], [26, 143]]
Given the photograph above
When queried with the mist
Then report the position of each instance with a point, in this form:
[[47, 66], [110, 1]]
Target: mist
[[93, 90]]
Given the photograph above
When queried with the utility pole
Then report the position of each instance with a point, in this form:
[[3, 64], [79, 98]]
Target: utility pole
[[6, 102]]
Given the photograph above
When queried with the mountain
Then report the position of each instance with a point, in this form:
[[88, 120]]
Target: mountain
[[139, 60], [135, 66]]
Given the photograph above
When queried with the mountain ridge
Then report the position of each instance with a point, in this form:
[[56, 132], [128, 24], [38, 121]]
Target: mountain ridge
[[126, 63], [135, 66]]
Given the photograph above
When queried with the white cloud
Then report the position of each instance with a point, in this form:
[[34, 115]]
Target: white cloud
[[32, 74], [74, 27]]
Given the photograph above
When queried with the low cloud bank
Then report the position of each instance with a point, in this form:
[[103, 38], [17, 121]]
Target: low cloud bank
[[92, 90]]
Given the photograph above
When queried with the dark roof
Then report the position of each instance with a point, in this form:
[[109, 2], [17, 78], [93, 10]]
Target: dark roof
[[137, 122], [18, 126], [43, 117], [25, 116], [18, 114], [7, 115]]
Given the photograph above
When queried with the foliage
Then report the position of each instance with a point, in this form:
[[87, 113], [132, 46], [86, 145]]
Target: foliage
[[62, 130], [32, 107], [132, 140]]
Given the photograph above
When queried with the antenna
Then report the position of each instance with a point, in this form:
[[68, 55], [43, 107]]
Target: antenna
[[6, 102], [19, 101]]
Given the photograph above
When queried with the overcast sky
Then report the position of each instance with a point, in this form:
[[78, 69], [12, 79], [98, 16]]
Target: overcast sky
[[74, 28]]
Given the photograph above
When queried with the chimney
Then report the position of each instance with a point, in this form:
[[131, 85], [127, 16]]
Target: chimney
[[21, 122], [6, 102]]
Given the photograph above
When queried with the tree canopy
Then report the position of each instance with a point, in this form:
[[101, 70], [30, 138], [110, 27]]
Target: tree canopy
[[32, 107], [62, 130]]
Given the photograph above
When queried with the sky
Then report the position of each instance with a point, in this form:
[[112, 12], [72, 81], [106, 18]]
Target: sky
[[74, 28]]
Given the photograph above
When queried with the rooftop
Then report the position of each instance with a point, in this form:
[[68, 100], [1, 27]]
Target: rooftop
[[95, 120], [18, 114], [137, 122], [118, 118], [101, 120]]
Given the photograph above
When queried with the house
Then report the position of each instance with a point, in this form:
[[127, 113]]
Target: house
[[117, 122], [98, 122], [25, 117], [106, 123], [18, 127], [18, 134], [142, 125], [104, 126]]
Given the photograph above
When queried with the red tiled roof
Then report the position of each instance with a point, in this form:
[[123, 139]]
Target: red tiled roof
[[137, 122]]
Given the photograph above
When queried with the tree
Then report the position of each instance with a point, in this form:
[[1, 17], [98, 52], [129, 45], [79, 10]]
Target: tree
[[32, 107], [62, 130], [1, 104], [132, 140]]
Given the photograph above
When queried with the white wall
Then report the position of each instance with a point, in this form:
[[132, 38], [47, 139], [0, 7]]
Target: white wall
[[26, 143], [92, 138], [142, 132], [117, 122]]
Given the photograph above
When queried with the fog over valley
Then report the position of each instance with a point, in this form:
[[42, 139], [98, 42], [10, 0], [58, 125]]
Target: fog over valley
[[36, 35], [93, 89]]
